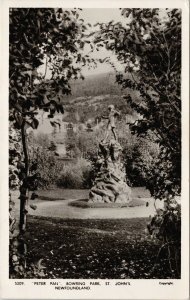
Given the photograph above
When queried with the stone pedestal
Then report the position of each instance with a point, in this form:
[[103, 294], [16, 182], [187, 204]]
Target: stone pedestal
[[110, 184]]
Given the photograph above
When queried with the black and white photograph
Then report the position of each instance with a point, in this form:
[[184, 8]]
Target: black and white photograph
[[95, 144]]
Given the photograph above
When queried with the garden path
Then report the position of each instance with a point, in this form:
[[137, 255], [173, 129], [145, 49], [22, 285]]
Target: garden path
[[58, 206]]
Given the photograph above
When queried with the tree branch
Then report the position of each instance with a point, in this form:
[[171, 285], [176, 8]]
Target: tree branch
[[46, 67], [168, 53]]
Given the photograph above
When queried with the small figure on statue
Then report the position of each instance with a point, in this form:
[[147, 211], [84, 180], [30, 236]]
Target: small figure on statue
[[112, 113]]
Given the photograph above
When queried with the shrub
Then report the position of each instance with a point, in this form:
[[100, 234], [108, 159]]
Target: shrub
[[140, 155], [166, 226], [70, 178], [48, 166], [76, 175], [40, 139]]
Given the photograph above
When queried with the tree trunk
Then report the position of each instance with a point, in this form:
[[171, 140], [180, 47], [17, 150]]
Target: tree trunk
[[18, 247], [23, 188]]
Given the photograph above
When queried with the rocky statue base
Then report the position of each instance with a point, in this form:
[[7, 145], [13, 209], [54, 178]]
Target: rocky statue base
[[110, 184]]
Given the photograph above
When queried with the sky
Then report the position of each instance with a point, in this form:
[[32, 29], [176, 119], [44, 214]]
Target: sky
[[92, 16]]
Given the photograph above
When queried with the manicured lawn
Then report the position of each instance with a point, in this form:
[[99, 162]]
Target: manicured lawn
[[85, 204], [64, 194], [78, 245], [58, 203], [109, 248]]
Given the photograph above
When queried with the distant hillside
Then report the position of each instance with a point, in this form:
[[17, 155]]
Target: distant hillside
[[90, 98], [89, 101], [94, 85]]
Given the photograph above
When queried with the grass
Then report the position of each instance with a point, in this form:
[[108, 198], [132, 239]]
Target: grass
[[62, 194], [65, 194], [54, 194], [94, 248], [83, 203], [98, 249]]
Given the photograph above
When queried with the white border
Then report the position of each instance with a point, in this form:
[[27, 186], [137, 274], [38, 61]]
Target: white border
[[139, 289]]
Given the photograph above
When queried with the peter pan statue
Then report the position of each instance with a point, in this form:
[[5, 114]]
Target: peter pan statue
[[112, 113]]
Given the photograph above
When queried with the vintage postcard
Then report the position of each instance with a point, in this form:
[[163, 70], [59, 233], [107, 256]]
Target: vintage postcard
[[95, 149]]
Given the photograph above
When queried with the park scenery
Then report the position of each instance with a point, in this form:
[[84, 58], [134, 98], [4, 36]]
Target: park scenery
[[94, 143]]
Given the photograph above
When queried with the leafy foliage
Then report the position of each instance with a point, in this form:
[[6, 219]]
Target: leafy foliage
[[150, 49], [140, 154], [75, 175], [15, 155], [166, 226], [86, 142], [48, 166], [37, 36]]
